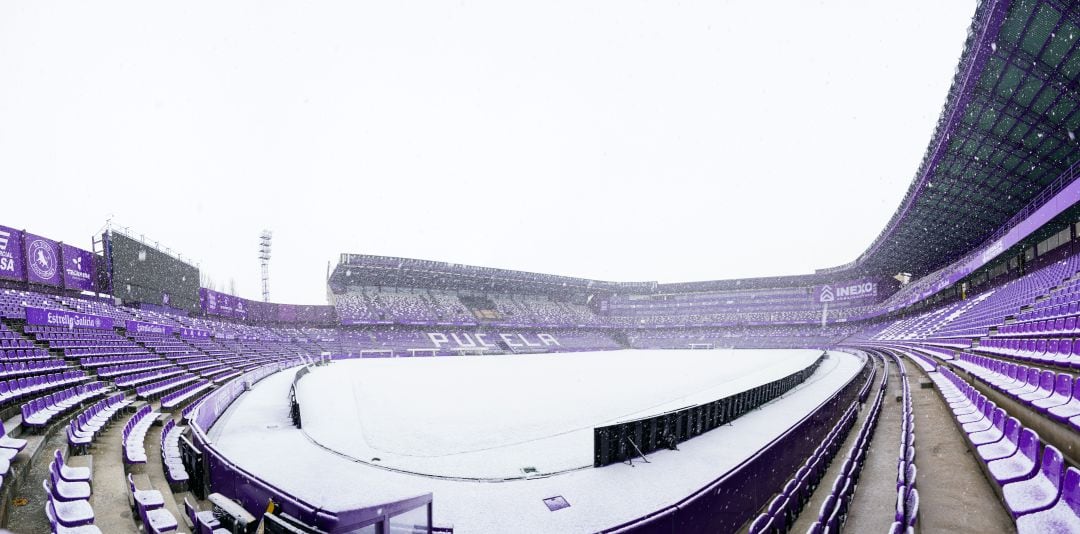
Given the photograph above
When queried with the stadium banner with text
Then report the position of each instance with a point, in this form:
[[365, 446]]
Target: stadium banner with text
[[11, 254], [221, 304], [137, 327], [849, 290], [79, 268], [224, 305], [66, 319], [193, 333], [42, 260]]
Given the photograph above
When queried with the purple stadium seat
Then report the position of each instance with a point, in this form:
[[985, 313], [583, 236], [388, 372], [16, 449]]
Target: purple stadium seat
[[1070, 409], [1062, 394], [992, 434], [1004, 447], [1046, 388], [1063, 517], [1038, 492], [1019, 465]]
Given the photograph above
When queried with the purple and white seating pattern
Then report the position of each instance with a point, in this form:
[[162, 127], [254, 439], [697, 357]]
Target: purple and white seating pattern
[[84, 428], [19, 389], [67, 503], [39, 412], [797, 491], [160, 387], [907, 494], [1032, 477], [135, 433], [1055, 395], [780, 514], [178, 397], [150, 507], [202, 522], [170, 453]]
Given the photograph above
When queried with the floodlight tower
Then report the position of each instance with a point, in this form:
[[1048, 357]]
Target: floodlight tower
[[264, 259]]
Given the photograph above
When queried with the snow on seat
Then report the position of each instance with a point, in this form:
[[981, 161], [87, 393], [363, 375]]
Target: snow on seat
[[71, 473], [1038, 492], [993, 433], [9, 442], [1061, 395], [1070, 409], [69, 513], [148, 499], [1020, 465], [1004, 447], [58, 528], [1063, 517], [67, 491], [1046, 388]]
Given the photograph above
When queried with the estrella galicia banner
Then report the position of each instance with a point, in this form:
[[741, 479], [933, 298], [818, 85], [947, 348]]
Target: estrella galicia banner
[[67, 319], [138, 327], [42, 260], [11, 254], [78, 268]]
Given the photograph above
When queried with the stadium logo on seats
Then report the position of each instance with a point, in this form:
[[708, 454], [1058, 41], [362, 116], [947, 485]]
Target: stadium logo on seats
[[826, 294], [42, 258]]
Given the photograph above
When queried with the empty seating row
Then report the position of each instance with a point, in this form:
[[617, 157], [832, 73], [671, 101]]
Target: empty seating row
[[1055, 395], [9, 447], [98, 361], [833, 512], [16, 343], [1047, 327], [782, 511], [185, 393], [19, 389], [32, 367], [23, 354], [67, 492], [135, 433], [39, 412], [152, 390], [171, 462], [1037, 489], [87, 425], [202, 522], [906, 516], [110, 371], [186, 413], [1059, 352], [138, 379], [150, 507]]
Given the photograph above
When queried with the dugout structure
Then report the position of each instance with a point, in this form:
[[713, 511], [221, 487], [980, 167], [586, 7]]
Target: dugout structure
[[625, 441]]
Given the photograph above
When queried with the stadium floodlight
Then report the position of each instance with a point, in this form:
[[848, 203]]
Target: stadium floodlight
[[264, 260]]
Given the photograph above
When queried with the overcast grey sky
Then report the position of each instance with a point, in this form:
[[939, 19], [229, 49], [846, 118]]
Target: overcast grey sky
[[614, 140]]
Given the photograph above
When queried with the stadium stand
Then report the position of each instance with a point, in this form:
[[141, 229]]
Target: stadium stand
[[965, 311]]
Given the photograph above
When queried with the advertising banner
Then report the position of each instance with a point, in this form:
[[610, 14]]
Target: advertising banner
[[11, 255], [67, 319], [79, 268], [192, 333], [42, 260], [850, 290], [136, 327], [221, 304]]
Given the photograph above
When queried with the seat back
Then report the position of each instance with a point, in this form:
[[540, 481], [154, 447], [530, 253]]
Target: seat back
[[1052, 465]]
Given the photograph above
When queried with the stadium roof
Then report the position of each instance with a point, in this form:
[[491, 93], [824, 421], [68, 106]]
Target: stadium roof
[[1007, 132]]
